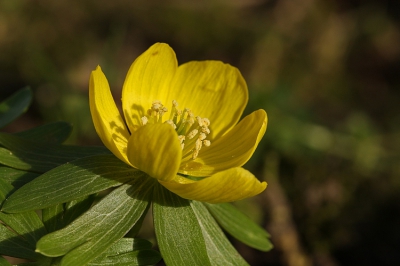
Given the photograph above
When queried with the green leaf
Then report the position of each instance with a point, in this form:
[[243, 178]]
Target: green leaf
[[97, 229], [40, 157], [17, 178], [14, 106], [53, 133], [139, 257], [126, 251], [136, 228], [125, 245], [27, 225], [53, 217], [71, 181], [4, 262], [75, 208], [240, 226], [14, 246], [178, 232], [5, 190], [219, 249]]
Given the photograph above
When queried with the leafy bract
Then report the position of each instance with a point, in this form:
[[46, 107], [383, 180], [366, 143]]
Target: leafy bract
[[54, 133], [219, 249], [178, 232], [28, 225], [240, 226], [16, 178], [24, 154], [71, 181], [97, 229], [14, 106]]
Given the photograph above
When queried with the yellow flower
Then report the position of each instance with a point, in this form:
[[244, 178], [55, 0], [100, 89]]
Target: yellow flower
[[196, 152]]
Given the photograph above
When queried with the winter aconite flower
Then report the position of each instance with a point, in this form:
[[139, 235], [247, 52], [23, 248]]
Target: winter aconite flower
[[181, 125]]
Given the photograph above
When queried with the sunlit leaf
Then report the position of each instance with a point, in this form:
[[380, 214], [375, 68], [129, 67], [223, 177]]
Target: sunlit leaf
[[97, 229], [240, 226], [139, 257], [75, 208], [219, 249], [14, 106], [28, 225], [178, 232], [40, 157], [69, 182]]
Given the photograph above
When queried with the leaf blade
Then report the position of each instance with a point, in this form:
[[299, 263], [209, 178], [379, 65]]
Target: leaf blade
[[14, 106], [70, 181], [219, 249], [240, 226], [178, 233]]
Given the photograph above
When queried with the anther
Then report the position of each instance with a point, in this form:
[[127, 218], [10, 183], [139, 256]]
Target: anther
[[192, 133], [170, 122], [144, 120]]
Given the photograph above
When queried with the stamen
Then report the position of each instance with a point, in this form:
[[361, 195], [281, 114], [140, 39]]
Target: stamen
[[192, 133], [183, 121], [170, 122], [144, 120]]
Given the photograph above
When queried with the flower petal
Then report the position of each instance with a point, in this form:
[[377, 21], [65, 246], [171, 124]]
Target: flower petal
[[213, 90], [226, 186], [107, 120], [233, 149], [148, 79], [155, 150]]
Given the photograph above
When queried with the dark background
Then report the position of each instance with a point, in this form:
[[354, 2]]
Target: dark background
[[326, 72]]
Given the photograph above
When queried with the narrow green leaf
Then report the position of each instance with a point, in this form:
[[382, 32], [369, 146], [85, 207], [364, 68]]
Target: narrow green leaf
[[28, 225], [219, 249], [75, 208], [125, 245], [14, 106], [53, 217], [14, 246], [5, 190], [53, 133], [240, 226], [139, 257], [136, 228], [4, 262], [40, 157], [71, 181], [97, 229], [17, 178], [178, 232]]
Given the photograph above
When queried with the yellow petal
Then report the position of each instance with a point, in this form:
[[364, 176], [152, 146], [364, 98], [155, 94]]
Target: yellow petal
[[155, 150], [226, 186], [233, 149], [213, 90], [107, 120], [148, 79]]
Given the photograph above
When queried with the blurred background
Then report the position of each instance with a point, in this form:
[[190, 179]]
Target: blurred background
[[326, 72]]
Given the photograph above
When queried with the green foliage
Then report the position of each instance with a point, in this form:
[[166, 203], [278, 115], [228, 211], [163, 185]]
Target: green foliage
[[178, 232], [240, 226], [14, 106], [72, 205]]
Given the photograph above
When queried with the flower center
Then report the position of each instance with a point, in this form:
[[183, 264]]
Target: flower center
[[192, 130]]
